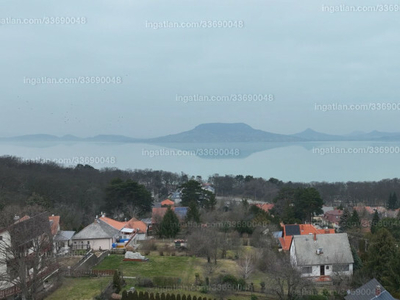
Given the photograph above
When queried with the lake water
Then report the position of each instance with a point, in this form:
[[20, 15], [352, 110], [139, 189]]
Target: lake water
[[304, 162]]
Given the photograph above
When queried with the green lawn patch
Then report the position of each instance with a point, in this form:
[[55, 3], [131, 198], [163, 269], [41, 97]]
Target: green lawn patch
[[80, 288]]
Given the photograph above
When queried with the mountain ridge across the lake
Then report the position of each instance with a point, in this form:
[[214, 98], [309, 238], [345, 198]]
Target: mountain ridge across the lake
[[218, 132]]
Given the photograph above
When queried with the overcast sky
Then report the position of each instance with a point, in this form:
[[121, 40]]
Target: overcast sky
[[291, 49]]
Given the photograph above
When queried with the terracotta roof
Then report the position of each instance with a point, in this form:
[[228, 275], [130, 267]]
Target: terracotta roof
[[265, 206], [54, 224], [291, 230], [113, 223], [134, 224], [167, 202]]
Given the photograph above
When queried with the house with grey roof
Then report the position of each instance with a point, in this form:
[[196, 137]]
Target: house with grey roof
[[63, 240], [97, 235], [317, 255], [371, 290]]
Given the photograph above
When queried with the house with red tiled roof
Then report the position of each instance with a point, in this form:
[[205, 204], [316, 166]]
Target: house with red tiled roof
[[167, 202], [291, 230], [266, 206], [106, 233], [333, 216]]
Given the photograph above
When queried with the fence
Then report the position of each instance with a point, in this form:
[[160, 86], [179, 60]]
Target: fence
[[90, 273], [16, 290]]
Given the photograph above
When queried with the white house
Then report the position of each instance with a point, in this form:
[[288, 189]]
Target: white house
[[322, 254]]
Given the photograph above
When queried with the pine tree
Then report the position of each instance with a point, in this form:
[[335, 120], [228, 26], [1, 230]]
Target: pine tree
[[163, 296], [133, 296], [152, 296], [193, 214], [146, 296], [169, 226], [184, 297], [355, 220], [158, 296], [345, 220], [381, 253], [374, 224], [116, 282], [141, 295]]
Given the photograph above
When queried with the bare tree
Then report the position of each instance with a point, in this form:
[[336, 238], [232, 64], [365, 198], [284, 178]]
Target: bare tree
[[247, 264], [285, 280], [26, 255]]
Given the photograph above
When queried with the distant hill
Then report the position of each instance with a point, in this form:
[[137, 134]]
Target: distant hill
[[217, 133], [312, 135], [224, 133]]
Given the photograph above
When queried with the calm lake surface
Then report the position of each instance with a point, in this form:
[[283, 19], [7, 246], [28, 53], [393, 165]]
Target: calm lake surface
[[301, 162]]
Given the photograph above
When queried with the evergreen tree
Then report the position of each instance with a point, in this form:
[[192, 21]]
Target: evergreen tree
[[116, 282], [169, 226], [357, 260], [133, 296], [158, 296], [124, 295], [193, 214], [146, 296], [345, 220], [375, 221], [163, 296], [193, 191], [381, 254], [355, 220], [392, 202], [152, 296]]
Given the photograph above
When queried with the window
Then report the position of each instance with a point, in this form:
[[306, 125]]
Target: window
[[340, 268], [306, 270], [88, 242], [327, 267], [1, 237]]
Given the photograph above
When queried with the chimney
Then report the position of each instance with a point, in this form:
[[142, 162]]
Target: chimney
[[315, 236], [377, 290]]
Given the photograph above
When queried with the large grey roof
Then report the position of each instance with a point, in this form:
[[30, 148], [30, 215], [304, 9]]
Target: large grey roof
[[367, 292], [335, 248], [96, 230], [64, 235]]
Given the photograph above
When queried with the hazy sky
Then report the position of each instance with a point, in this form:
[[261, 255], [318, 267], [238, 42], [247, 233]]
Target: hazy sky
[[291, 49]]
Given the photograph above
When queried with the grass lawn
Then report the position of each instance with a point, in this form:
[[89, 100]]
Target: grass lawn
[[183, 267], [80, 288]]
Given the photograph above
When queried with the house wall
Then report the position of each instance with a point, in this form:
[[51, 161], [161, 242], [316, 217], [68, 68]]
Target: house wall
[[316, 271], [95, 244], [5, 242], [293, 259]]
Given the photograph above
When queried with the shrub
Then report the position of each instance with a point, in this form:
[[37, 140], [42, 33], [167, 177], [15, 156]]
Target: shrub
[[116, 282], [163, 281], [230, 279], [145, 282]]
